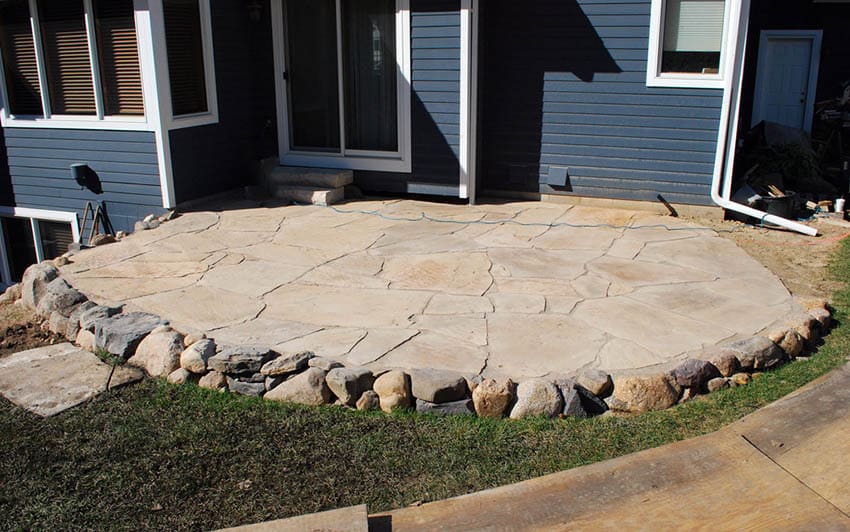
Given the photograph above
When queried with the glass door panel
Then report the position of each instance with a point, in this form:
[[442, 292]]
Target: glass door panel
[[370, 74], [313, 75]]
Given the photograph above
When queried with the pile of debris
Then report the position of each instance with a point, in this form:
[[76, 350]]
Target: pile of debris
[[785, 175]]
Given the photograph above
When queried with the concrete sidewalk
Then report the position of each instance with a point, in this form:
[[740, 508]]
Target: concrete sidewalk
[[785, 467]]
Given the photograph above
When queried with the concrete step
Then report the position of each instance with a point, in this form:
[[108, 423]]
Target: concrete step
[[308, 195], [352, 519], [309, 177]]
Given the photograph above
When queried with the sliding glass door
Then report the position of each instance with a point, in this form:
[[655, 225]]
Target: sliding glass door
[[342, 76]]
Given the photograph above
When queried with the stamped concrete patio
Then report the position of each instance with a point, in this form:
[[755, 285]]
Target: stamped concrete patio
[[516, 289]]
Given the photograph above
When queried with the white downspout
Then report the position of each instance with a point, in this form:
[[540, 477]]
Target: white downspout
[[727, 135]]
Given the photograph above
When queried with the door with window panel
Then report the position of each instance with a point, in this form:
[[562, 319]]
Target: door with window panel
[[342, 75]]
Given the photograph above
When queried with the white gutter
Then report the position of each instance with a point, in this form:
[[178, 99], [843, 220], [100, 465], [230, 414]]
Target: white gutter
[[727, 135]]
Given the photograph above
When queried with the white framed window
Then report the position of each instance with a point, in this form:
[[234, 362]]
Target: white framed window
[[187, 28], [29, 236], [686, 43], [70, 64]]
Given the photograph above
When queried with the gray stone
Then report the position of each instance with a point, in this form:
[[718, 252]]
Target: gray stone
[[716, 384], [89, 317], [572, 405], [122, 334], [693, 373], [73, 328], [758, 352], [537, 397], [251, 389], [308, 388], [287, 363], [590, 402], [180, 376], [159, 353], [35, 281], [59, 296], [491, 398], [598, 382], [644, 393], [436, 386], [393, 389], [213, 381], [348, 384], [464, 407], [369, 401], [273, 382], [194, 358], [326, 364], [240, 360], [57, 324]]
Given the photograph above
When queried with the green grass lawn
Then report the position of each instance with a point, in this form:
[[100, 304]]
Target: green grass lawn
[[158, 456]]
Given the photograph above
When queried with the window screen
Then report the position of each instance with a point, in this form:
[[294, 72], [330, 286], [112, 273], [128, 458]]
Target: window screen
[[185, 56], [693, 34], [118, 51], [16, 40], [55, 238]]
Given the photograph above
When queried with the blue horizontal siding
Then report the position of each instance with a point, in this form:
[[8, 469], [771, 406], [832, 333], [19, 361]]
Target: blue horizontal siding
[[38, 162], [564, 84]]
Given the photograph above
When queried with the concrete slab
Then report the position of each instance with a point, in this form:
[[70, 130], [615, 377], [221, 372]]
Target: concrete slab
[[49, 380], [352, 519], [782, 468], [414, 284]]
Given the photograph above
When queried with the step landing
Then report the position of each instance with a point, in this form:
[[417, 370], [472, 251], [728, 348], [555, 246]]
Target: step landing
[[316, 186]]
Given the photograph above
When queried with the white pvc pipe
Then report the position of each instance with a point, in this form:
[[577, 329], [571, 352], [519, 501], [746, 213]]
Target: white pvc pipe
[[726, 137]]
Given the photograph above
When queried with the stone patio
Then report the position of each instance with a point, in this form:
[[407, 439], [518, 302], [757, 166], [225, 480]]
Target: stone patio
[[516, 289]]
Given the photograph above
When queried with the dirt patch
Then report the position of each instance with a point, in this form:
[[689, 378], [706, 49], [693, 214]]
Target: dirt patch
[[800, 261], [21, 330]]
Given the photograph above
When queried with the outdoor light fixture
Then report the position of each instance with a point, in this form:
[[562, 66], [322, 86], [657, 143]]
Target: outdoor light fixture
[[255, 9]]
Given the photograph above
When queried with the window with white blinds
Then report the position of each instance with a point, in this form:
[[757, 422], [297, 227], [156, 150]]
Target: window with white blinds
[[57, 64], [686, 42]]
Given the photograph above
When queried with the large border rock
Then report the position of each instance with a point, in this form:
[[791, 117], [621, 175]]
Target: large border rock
[[159, 353], [758, 352], [393, 389], [643, 393], [35, 281], [437, 386], [59, 296], [348, 384], [492, 398], [308, 388], [122, 334], [241, 360], [537, 397]]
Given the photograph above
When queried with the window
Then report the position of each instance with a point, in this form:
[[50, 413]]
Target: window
[[686, 43], [56, 63], [29, 240], [190, 68]]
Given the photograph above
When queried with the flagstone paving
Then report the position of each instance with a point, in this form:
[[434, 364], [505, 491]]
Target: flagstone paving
[[514, 289]]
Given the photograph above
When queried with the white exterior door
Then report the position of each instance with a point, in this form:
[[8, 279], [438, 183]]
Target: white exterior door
[[786, 79]]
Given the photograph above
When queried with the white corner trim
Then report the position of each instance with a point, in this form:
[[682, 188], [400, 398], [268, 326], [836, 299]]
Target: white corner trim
[[468, 98], [208, 48], [654, 76], [816, 37], [149, 15], [400, 161], [5, 270]]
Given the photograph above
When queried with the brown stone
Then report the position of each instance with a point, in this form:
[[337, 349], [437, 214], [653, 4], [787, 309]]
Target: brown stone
[[717, 384], [159, 353], [213, 381], [724, 359], [393, 389], [596, 382], [740, 379], [491, 398], [789, 340], [638, 394], [369, 401], [308, 388]]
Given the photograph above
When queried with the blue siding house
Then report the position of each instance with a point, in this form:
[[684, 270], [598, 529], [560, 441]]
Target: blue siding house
[[160, 102]]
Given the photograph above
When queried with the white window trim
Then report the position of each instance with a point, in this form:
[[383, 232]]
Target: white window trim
[[654, 76], [34, 216], [400, 161], [211, 115], [49, 120]]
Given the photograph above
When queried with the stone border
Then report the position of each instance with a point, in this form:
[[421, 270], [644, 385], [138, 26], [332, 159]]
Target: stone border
[[147, 341]]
